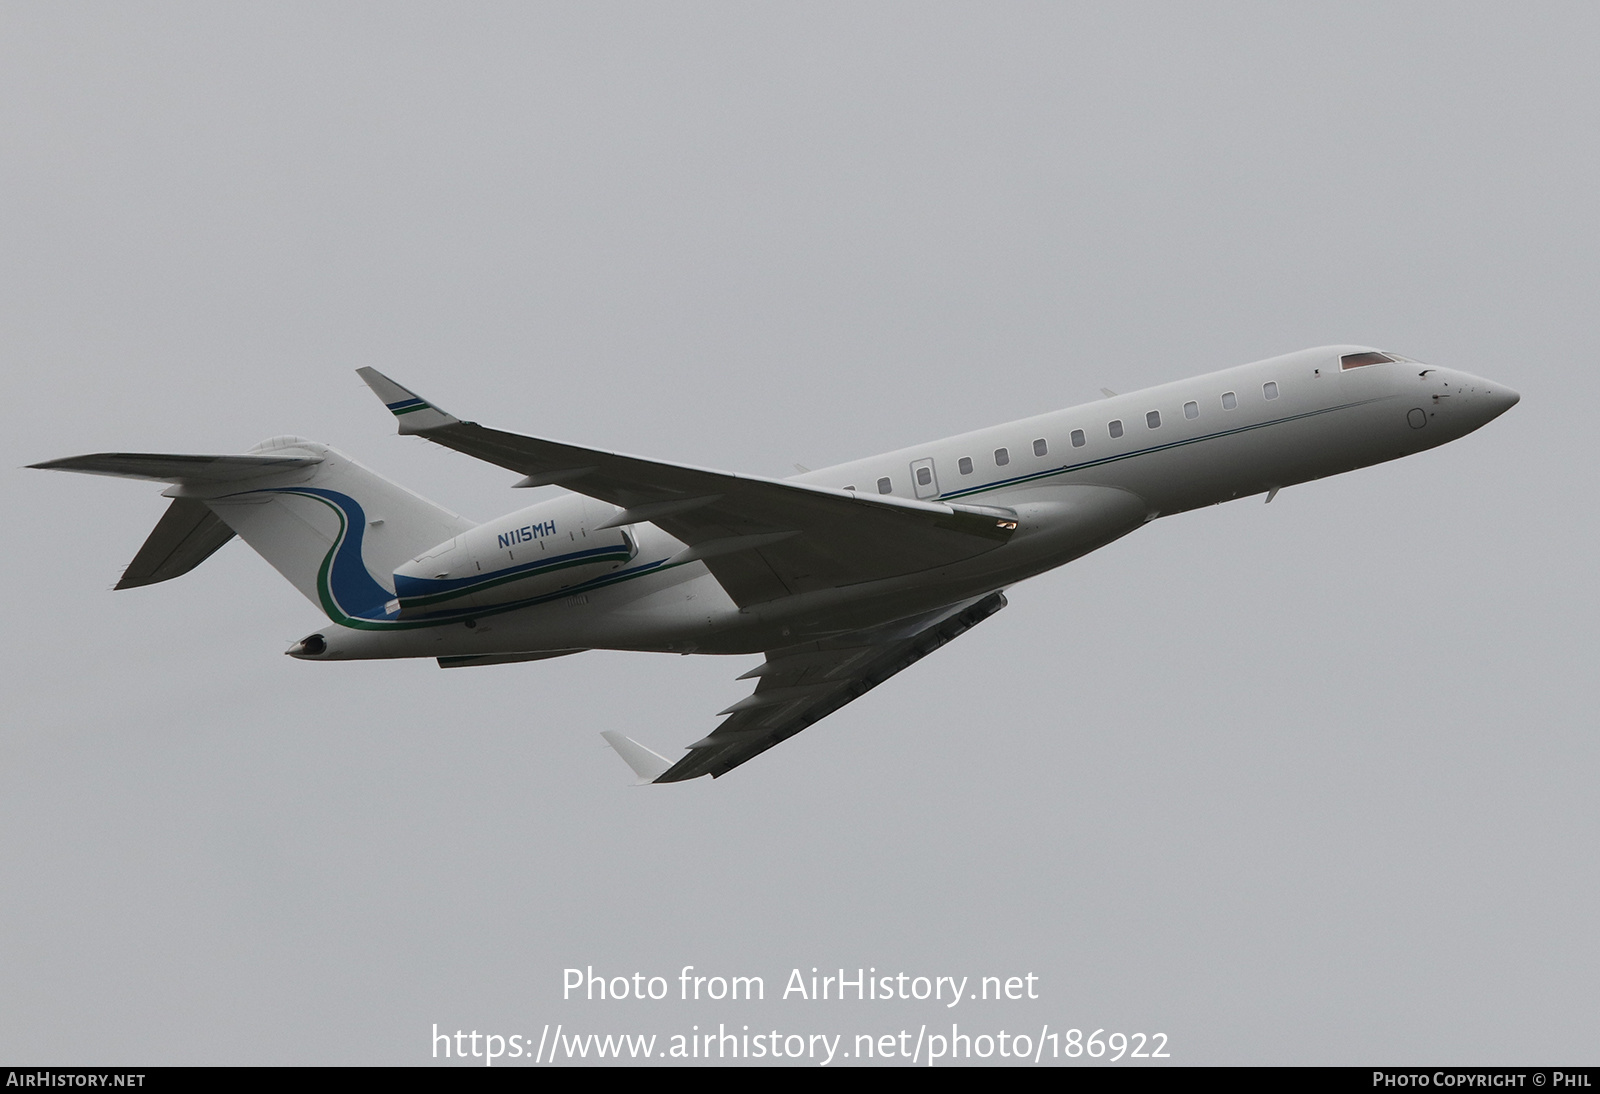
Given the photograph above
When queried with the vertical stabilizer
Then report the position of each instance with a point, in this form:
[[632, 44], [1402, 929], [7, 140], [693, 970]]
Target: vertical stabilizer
[[336, 531], [334, 528]]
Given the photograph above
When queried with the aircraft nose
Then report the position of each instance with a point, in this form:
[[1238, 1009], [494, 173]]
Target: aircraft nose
[[1501, 399], [1471, 401]]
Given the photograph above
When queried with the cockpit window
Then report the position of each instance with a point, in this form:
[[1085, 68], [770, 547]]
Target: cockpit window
[[1356, 360]]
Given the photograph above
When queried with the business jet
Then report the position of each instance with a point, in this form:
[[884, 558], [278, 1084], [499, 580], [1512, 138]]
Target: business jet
[[841, 577]]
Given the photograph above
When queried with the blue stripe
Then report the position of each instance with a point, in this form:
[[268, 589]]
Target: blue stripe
[[354, 598], [449, 615], [406, 586], [351, 587]]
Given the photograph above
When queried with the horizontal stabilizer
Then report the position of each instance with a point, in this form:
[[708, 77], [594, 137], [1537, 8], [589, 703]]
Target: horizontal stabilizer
[[187, 534], [334, 528], [164, 467], [646, 764]]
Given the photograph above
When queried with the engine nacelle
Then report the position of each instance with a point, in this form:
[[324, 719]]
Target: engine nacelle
[[537, 553]]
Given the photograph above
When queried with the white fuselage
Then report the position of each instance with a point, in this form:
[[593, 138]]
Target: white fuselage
[[1076, 478]]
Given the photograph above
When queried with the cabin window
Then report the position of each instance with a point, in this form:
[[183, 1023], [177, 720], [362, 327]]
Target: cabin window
[[1116, 427], [964, 465], [1270, 389], [1229, 400], [1039, 447], [1152, 420], [1001, 457], [1191, 410], [885, 486], [1356, 360], [1078, 439], [924, 476]]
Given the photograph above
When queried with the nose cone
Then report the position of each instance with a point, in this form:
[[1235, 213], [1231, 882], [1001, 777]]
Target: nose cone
[[1489, 400], [1503, 399], [1482, 400]]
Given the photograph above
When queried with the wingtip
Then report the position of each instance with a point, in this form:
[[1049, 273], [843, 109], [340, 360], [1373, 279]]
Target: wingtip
[[414, 413], [646, 763]]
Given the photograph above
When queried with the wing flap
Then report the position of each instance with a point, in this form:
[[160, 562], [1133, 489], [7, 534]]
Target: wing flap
[[800, 685]]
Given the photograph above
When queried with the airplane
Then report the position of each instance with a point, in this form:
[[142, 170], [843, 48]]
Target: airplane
[[840, 577]]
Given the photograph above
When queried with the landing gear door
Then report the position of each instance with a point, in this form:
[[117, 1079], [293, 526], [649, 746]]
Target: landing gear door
[[923, 478]]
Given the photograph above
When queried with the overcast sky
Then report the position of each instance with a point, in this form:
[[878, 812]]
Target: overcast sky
[[1304, 783]]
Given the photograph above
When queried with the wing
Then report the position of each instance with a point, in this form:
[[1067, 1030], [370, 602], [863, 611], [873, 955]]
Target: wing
[[800, 685], [762, 538]]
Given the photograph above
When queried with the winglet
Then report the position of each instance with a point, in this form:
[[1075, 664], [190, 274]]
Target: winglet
[[646, 764], [415, 414]]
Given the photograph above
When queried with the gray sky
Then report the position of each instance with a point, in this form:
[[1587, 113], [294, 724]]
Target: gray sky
[[1307, 783]]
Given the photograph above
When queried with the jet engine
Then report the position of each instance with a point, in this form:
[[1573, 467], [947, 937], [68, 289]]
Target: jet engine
[[547, 550]]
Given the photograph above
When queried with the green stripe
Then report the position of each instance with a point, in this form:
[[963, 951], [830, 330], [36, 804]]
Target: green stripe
[[331, 608], [490, 582]]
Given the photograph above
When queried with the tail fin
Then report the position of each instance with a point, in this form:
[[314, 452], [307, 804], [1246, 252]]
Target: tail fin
[[334, 528]]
